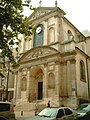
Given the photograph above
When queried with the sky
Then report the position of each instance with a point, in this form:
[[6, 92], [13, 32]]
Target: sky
[[77, 11]]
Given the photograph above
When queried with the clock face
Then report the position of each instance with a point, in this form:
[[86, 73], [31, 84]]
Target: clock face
[[39, 29]]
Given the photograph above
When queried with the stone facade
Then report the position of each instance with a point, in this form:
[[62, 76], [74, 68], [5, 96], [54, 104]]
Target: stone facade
[[54, 64]]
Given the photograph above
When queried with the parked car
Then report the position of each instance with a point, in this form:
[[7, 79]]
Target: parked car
[[7, 110], [83, 110], [3, 118], [54, 113]]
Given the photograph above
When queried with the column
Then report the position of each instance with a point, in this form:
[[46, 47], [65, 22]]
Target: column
[[19, 85], [45, 82]]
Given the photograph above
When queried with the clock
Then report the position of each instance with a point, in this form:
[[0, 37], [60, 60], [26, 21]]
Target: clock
[[38, 30]]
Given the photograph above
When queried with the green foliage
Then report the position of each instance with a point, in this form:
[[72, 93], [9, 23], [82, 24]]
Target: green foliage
[[12, 23]]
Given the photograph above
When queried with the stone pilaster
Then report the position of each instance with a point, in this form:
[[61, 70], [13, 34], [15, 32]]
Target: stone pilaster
[[28, 84], [45, 32], [45, 82], [19, 85], [15, 85], [69, 82], [57, 28], [57, 78]]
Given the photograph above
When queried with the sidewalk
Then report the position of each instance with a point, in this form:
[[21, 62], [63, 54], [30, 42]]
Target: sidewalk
[[24, 113]]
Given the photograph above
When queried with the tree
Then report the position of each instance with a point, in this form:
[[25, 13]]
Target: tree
[[12, 23]]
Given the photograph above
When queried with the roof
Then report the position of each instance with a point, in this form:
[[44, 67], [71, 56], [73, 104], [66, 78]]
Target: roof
[[57, 107], [85, 104], [5, 102]]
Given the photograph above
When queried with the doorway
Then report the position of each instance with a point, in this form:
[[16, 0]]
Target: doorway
[[40, 90]]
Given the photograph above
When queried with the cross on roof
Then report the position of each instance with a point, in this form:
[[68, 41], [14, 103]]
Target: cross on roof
[[40, 3], [56, 3]]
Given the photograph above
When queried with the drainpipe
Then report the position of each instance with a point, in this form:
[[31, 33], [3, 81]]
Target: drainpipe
[[88, 77]]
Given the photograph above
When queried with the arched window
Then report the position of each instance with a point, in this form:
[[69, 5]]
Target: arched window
[[51, 35], [39, 36], [82, 71], [51, 81], [70, 35], [23, 84]]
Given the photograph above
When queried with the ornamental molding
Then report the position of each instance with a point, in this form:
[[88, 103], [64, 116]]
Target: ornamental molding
[[71, 58]]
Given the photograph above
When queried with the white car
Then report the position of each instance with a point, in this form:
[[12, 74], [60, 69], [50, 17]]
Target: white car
[[83, 110], [55, 113]]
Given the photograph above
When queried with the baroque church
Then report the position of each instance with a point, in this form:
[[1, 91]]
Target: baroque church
[[54, 63]]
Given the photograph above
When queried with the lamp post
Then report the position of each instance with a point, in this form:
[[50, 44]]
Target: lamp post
[[7, 80]]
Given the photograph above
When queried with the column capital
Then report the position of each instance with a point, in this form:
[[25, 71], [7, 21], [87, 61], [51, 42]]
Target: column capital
[[57, 62], [46, 64]]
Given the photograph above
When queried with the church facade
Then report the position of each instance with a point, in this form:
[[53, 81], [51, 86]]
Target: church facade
[[55, 62]]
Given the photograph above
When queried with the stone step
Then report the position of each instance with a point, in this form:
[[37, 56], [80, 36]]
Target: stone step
[[29, 106]]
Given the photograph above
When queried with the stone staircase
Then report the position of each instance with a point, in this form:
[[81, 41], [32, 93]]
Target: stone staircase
[[33, 106], [36, 105]]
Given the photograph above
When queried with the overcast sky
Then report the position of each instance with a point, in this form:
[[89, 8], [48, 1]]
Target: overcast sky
[[77, 11]]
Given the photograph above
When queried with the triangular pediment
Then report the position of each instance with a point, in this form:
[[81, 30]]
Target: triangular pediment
[[39, 12], [38, 52]]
